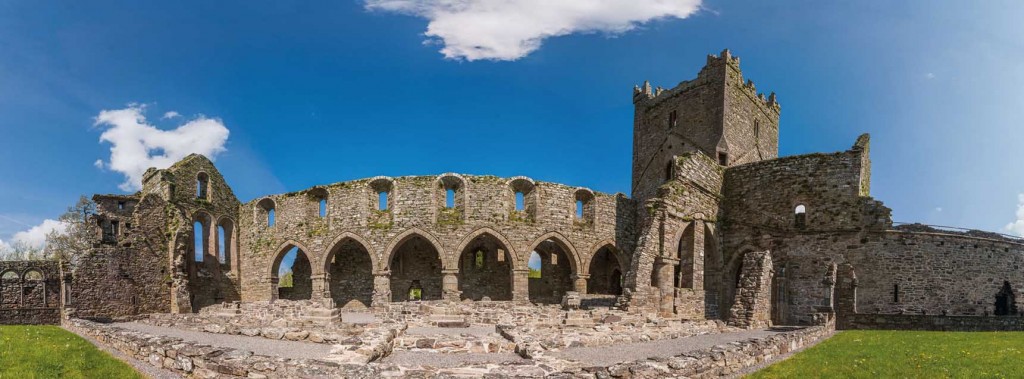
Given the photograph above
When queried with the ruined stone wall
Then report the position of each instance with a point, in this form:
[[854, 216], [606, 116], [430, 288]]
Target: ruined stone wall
[[128, 274], [29, 292], [416, 217], [677, 226]]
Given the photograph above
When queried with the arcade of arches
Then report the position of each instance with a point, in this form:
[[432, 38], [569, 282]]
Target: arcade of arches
[[415, 271]]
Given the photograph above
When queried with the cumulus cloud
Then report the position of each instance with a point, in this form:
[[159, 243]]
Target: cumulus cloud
[[1018, 226], [35, 237], [509, 30], [136, 145], [171, 114]]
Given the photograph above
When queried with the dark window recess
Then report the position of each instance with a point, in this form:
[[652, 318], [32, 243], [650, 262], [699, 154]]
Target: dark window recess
[[723, 158], [120, 205], [895, 293], [673, 119]]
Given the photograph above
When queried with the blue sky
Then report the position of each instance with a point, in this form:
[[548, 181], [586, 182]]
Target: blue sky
[[319, 92]]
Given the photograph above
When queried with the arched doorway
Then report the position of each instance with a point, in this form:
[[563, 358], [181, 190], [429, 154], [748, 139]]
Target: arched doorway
[[485, 269], [290, 274], [350, 274], [605, 273], [415, 271], [550, 274], [1006, 304]]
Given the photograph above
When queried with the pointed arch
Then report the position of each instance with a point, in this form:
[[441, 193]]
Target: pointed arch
[[389, 252], [561, 241], [498, 236], [329, 248], [603, 277], [596, 247], [301, 288]]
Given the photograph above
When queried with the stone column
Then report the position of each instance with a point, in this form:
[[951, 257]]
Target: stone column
[[580, 283], [273, 288], [664, 268], [450, 285], [381, 288], [521, 285]]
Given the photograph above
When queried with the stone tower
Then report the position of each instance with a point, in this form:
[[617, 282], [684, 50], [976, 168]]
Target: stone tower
[[717, 114]]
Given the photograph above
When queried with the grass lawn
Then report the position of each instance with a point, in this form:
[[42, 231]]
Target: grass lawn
[[52, 352], [907, 354]]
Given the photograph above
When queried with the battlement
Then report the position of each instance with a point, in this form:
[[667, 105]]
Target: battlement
[[712, 72]]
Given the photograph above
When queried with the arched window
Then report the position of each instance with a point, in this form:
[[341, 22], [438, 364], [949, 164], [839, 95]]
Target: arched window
[[266, 208], [381, 188], [584, 205], [33, 275], [323, 208], [222, 245], [800, 217], [9, 275], [202, 186], [197, 234], [519, 201], [525, 198]]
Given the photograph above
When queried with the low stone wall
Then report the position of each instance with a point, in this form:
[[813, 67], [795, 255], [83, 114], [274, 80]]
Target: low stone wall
[[480, 312], [532, 341], [30, 316], [933, 322], [721, 360], [204, 361]]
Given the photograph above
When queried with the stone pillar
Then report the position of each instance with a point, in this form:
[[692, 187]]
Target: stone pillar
[[664, 268], [579, 283], [273, 288], [319, 286], [450, 287], [381, 288], [521, 285]]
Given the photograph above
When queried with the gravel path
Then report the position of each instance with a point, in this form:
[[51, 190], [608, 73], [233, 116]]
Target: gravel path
[[143, 368], [257, 345], [449, 360], [435, 331], [609, 355]]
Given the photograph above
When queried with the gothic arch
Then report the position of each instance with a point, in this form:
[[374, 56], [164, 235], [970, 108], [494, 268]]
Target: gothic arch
[[280, 252], [561, 241], [389, 252], [623, 264], [501, 238], [325, 255]]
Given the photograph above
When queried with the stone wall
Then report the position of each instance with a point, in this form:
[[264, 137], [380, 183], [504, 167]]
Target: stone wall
[[30, 292], [416, 222], [934, 322], [724, 360]]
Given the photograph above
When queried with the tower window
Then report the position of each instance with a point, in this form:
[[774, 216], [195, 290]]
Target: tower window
[[120, 205], [896, 293], [669, 168], [723, 158], [800, 217], [673, 119]]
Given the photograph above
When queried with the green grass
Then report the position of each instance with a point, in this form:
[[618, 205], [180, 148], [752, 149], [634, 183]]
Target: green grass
[[907, 354], [52, 352]]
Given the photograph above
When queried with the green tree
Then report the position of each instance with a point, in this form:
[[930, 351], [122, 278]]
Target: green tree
[[69, 243], [287, 280]]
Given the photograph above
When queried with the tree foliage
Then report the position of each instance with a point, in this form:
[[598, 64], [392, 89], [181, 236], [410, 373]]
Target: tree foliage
[[76, 238]]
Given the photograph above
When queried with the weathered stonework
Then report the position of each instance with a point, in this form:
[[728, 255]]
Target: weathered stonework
[[716, 227]]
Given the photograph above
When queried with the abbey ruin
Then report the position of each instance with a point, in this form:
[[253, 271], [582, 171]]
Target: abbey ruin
[[718, 232]]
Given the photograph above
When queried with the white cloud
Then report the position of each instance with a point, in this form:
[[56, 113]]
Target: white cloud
[[171, 114], [1018, 226], [98, 163], [509, 30], [136, 145], [929, 75], [35, 237], [938, 209]]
